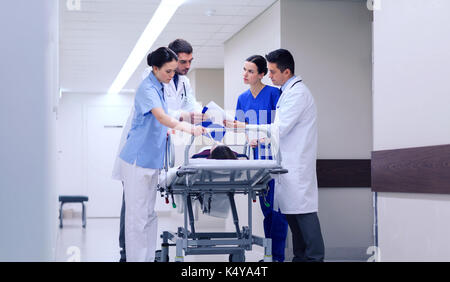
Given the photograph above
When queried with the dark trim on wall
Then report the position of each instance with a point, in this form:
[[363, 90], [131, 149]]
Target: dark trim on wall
[[343, 173], [412, 170]]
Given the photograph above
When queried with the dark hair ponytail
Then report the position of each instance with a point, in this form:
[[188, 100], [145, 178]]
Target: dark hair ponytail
[[161, 56], [260, 63]]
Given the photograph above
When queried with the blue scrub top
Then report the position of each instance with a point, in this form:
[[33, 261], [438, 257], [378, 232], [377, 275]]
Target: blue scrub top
[[259, 110], [146, 141]]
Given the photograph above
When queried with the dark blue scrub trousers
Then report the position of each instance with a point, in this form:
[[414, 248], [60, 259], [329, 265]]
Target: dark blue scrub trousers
[[275, 225]]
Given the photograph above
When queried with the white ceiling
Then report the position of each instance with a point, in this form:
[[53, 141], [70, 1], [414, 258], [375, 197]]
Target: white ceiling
[[96, 40]]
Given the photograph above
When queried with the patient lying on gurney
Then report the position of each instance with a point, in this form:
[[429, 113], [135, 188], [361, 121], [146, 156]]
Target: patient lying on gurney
[[219, 151], [217, 205]]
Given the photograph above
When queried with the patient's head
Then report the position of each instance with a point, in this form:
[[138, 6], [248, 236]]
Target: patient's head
[[222, 152]]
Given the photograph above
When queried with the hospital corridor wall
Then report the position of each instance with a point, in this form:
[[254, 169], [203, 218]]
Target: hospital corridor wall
[[411, 115], [332, 47], [207, 85], [89, 128], [29, 94], [331, 44]]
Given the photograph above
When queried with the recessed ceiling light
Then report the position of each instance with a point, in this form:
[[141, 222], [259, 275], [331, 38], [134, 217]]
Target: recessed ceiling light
[[157, 23], [210, 12]]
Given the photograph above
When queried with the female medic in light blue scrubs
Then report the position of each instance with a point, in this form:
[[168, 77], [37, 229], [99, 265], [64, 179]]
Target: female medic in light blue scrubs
[[143, 155], [257, 106]]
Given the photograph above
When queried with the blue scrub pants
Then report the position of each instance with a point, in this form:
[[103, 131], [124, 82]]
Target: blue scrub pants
[[275, 225]]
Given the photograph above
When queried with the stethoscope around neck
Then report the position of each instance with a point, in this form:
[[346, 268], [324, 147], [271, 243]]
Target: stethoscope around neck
[[183, 94]]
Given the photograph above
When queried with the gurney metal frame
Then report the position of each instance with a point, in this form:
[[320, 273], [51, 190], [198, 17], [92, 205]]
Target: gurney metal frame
[[194, 179]]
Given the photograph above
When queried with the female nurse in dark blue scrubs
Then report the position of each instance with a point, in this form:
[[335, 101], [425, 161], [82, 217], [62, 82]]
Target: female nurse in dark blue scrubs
[[257, 105]]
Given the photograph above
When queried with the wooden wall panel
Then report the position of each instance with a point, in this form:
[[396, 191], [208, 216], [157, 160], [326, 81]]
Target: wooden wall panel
[[412, 170], [343, 173]]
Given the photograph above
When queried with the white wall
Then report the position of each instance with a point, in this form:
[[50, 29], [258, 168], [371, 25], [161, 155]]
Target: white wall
[[208, 85], [71, 136], [28, 83], [331, 43], [411, 108], [78, 120], [259, 37]]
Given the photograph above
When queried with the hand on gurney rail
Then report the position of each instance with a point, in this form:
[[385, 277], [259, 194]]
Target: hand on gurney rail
[[193, 117], [254, 143], [195, 130], [198, 130], [233, 124]]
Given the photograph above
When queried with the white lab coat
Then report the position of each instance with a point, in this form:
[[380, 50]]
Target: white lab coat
[[296, 126], [182, 98], [178, 100]]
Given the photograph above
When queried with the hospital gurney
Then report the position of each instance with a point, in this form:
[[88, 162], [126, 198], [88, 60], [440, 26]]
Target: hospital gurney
[[202, 177]]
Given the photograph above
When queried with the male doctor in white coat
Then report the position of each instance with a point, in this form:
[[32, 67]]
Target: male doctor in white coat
[[181, 104], [296, 129]]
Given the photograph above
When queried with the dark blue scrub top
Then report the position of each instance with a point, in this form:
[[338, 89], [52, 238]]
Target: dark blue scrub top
[[259, 110]]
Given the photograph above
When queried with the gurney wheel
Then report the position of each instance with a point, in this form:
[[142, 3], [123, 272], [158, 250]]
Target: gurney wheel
[[158, 256], [236, 258]]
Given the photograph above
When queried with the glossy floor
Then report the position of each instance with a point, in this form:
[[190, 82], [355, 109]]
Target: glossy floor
[[99, 242]]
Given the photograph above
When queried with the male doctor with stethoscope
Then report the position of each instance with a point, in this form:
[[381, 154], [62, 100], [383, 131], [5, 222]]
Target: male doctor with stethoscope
[[295, 128], [181, 104]]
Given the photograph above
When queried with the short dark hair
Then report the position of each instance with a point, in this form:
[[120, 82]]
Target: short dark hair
[[222, 152], [260, 62], [180, 46], [283, 58], [161, 56]]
